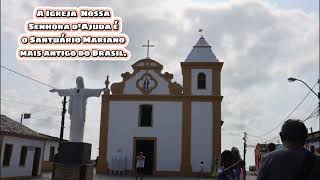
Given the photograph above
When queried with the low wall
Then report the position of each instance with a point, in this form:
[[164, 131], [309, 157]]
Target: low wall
[[47, 165]]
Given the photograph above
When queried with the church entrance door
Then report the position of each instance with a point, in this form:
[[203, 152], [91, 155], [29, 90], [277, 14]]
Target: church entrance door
[[148, 147]]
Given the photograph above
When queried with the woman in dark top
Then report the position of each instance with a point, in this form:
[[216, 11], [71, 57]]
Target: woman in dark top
[[229, 168], [239, 163]]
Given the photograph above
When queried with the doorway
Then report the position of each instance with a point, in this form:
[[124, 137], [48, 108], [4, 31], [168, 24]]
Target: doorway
[[36, 161], [148, 147]]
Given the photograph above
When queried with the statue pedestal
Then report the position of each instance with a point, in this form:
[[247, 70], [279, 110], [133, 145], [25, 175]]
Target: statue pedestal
[[73, 162], [73, 171]]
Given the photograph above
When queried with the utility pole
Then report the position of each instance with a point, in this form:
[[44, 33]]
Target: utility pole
[[61, 136], [244, 149], [244, 146], [62, 117]]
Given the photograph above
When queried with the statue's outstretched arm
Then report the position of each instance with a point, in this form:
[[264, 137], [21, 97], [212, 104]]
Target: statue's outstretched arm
[[93, 92], [63, 92]]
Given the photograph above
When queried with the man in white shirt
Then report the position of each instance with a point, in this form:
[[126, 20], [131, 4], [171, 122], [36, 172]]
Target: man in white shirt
[[140, 165]]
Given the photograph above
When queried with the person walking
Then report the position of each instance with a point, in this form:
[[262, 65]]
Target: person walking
[[239, 164], [228, 167], [271, 147], [140, 165], [293, 162], [216, 168]]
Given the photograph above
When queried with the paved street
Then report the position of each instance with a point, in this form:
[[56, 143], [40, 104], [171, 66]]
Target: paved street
[[47, 176], [251, 177]]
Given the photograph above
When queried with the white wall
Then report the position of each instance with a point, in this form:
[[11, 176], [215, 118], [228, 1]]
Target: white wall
[[131, 87], [167, 127], [46, 154], [14, 170], [201, 135], [313, 143], [194, 82]]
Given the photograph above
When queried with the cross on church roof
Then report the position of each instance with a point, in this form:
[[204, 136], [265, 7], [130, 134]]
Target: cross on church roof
[[148, 45]]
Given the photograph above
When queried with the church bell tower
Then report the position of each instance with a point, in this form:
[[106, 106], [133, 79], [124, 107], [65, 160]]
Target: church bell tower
[[201, 72]]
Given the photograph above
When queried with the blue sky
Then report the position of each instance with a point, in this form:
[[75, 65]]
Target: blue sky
[[304, 5]]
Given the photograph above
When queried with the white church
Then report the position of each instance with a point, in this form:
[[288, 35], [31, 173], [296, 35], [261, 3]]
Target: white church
[[175, 126]]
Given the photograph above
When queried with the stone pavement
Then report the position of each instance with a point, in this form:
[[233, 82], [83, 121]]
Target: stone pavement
[[47, 176], [251, 177]]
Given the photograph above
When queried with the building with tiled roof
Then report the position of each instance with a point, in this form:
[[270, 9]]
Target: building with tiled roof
[[24, 152], [313, 143], [13, 128]]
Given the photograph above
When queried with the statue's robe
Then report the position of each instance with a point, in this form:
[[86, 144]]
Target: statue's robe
[[77, 109]]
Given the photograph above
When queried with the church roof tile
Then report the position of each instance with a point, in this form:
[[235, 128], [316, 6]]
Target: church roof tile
[[201, 52]]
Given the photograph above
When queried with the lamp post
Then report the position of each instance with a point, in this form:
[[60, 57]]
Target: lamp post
[[291, 79]]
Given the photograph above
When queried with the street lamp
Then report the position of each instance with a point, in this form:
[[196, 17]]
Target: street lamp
[[291, 79]]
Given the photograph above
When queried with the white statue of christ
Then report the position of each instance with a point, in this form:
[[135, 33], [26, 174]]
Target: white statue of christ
[[77, 107]]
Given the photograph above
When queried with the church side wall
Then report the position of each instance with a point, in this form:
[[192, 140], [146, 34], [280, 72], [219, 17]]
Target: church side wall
[[194, 82], [201, 135], [14, 170], [167, 122]]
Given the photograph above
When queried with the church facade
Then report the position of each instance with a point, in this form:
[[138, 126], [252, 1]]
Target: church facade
[[175, 126]]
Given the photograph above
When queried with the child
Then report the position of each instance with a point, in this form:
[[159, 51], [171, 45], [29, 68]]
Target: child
[[202, 169]]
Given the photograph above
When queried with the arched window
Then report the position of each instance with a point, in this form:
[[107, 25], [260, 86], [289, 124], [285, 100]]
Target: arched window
[[145, 115], [201, 81]]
